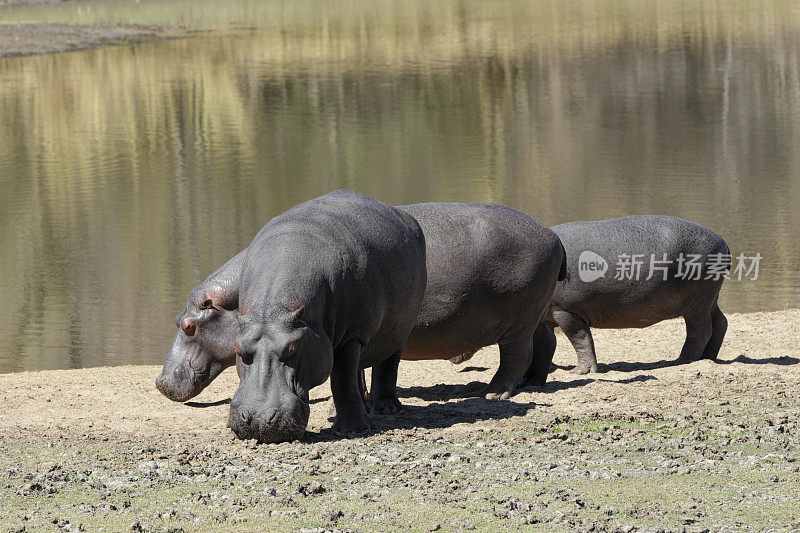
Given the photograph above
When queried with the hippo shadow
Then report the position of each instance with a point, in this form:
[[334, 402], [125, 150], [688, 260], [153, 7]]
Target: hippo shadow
[[436, 416], [443, 415], [203, 405], [783, 360], [443, 412], [474, 369], [472, 390], [318, 400], [444, 392], [556, 386], [627, 366]]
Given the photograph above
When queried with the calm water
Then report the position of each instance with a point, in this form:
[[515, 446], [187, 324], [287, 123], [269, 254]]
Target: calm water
[[127, 174]]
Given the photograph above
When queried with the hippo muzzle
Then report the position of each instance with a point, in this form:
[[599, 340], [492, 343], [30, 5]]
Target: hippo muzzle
[[184, 383], [187, 371], [270, 419], [178, 385]]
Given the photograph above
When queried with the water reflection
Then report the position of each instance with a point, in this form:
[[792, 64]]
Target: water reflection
[[128, 174]]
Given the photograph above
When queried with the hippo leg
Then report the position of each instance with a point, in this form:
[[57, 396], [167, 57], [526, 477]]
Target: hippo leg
[[351, 416], [544, 346], [515, 359], [362, 383], [383, 397], [719, 325], [698, 334], [579, 334]]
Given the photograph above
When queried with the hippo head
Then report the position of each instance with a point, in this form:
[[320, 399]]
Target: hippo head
[[204, 346], [280, 360]]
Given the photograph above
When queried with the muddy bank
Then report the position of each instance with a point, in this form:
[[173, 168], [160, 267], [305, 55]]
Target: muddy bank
[[642, 445], [22, 39]]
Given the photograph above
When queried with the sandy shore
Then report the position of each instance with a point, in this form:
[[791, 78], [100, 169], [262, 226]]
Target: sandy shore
[[711, 445], [637, 376]]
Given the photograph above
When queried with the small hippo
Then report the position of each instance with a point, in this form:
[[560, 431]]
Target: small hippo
[[204, 345], [330, 287], [682, 267], [491, 272]]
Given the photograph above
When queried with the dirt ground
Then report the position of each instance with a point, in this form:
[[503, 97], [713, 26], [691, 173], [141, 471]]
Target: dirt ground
[[643, 445]]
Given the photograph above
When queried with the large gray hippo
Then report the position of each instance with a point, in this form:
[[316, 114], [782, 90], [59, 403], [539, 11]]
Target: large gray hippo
[[330, 287], [681, 268], [491, 271]]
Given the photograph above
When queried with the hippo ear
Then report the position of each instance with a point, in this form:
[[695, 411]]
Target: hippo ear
[[221, 299], [297, 316], [247, 336]]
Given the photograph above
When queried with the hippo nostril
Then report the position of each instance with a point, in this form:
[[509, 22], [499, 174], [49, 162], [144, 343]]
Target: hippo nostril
[[246, 416], [189, 326]]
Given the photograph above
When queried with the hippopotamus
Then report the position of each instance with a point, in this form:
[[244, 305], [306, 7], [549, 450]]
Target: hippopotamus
[[204, 345], [329, 287], [681, 270], [491, 272]]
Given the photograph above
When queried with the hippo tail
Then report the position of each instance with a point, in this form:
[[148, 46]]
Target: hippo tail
[[562, 273]]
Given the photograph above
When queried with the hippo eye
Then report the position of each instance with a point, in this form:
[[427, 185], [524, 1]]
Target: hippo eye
[[289, 351], [208, 304]]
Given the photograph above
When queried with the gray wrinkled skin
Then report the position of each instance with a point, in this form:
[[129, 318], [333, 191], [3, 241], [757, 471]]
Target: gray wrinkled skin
[[330, 287], [607, 302], [204, 344]]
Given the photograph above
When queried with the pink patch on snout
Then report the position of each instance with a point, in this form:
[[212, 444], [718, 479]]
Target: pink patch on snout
[[189, 326]]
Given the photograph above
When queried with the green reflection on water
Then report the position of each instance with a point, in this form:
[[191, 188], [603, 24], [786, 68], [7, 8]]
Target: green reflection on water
[[129, 173]]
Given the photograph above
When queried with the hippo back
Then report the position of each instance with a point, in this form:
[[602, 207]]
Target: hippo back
[[489, 267], [606, 291], [358, 266]]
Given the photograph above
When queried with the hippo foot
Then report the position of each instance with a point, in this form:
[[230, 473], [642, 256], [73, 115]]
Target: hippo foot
[[532, 382], [385, 406], [583, 369], [492, 392], [352, 425]]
